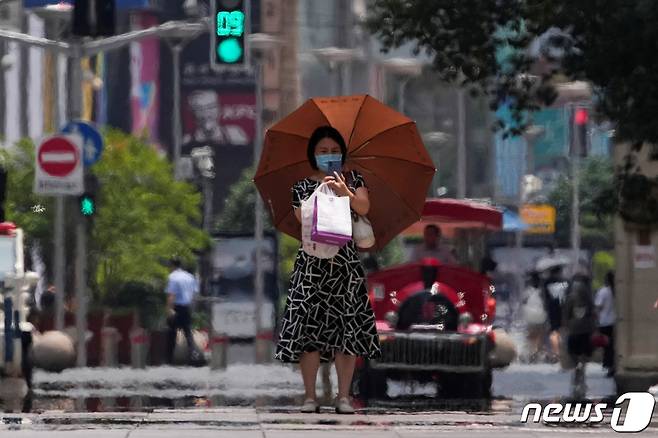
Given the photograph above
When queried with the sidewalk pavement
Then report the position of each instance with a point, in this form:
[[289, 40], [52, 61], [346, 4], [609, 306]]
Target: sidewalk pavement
[[255, 423]]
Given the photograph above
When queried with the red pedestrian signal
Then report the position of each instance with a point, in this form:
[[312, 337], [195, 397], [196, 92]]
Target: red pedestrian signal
[[581, 116], [579, 137]]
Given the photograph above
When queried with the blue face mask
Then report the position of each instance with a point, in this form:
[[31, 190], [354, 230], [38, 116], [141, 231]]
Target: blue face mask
[[323, 160]]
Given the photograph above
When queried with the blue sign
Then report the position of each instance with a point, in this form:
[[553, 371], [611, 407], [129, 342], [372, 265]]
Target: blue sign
[[92, 142]]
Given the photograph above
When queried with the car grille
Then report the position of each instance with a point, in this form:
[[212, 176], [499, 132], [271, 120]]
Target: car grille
[[431, 351]]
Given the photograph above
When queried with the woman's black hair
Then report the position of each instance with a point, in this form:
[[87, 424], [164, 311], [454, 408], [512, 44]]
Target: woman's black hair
[[319, 134]]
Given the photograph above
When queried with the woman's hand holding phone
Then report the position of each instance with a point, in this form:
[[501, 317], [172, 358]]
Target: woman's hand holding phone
[[338, 184]]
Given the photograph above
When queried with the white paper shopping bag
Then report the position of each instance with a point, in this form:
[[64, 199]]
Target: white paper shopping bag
[[315, 249], [332, 219]]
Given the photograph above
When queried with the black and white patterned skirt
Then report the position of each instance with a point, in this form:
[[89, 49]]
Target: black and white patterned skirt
[[327, 309]]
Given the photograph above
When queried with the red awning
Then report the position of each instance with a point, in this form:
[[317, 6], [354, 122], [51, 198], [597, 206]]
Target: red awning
[[452, 214]]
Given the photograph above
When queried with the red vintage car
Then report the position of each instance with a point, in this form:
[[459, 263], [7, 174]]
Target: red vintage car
[[435, 320]]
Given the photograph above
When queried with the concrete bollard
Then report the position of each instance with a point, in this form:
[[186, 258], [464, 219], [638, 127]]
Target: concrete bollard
[[264, 347], [139, 347], [219, 351], [110, 347], [53, 351]]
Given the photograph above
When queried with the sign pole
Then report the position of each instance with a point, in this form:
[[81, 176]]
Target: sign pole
[[75, 109], [60, 230]]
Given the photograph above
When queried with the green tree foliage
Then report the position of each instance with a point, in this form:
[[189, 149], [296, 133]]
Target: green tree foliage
[[482, 45], [596, 190], [238, 214], [31, 212], [144, 215]]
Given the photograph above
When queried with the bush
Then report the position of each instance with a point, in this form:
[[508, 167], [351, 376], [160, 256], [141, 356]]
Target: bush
[[148, 300]]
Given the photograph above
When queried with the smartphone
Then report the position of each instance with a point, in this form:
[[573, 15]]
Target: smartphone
[[334, 166]]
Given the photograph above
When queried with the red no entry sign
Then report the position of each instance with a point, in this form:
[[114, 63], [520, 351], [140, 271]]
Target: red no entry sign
[[58, 156]]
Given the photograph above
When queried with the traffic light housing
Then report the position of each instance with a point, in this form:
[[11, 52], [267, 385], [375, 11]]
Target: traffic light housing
[[94, 18], [579, 127], [229, 48]]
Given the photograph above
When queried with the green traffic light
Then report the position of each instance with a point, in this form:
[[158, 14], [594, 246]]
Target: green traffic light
[[87, 206], [229, 50]]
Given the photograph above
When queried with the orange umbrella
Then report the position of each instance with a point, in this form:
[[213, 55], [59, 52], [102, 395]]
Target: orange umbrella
[[382, 144]]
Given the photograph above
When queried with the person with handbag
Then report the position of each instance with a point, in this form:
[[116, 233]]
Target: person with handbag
[[328, 315]]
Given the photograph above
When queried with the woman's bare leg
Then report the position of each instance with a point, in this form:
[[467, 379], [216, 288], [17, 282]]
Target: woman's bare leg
[[555, 342], [309, 363], [345, 370]]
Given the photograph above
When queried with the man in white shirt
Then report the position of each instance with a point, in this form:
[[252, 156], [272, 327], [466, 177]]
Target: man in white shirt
[[432, 247], [605, 306], [181, 288]]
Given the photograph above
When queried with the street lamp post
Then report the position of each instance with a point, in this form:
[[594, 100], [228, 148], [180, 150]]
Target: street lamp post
[[260, 44], [437, 139], [177, 40], [461, 143], [55, 18], [405, 69], [337, 59], [531, 134]]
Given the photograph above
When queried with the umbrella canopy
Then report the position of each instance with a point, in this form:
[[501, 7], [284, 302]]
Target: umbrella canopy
[[383, 145], [551, 261], [453, 214]]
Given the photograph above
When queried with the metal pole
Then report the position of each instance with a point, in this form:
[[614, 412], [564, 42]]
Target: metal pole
[[3, 90], [519, 240], [461, 144], [402, 85], [258, 222], [75, 110], [575, 226], [59, 262], [346, 79], [177, 133]]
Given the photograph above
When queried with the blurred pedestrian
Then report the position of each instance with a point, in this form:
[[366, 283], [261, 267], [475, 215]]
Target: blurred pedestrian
[[607, 317], [534, 314], [328, 315], [555, 289], [488, 265], [580, 323], [432, 247], [181, 288]]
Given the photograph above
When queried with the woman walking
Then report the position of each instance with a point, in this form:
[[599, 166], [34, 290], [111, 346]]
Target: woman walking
[[328, 315]]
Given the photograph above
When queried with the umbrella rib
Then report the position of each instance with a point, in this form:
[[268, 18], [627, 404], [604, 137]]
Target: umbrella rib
[[365, 142], [278, 169], [404, 201], [321, 112], [356, 119], [287, 133]]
